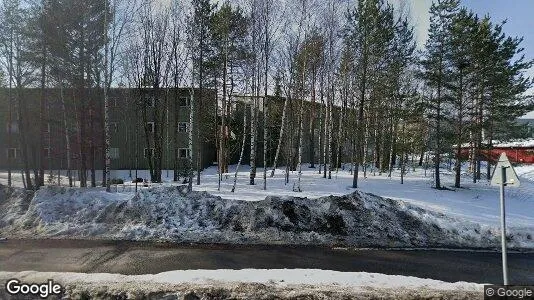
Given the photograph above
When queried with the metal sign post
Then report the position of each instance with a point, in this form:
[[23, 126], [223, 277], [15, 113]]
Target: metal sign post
[[504, 175], [503, 228]]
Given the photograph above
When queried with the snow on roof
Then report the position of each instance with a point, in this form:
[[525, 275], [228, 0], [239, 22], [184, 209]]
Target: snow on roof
[[505, 144], [516, 143]]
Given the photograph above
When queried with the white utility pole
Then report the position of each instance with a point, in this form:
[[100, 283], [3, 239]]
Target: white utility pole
[[504, 175]]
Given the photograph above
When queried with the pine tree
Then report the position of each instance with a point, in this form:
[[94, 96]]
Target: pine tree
[[506, 85], [462, 45], [202, 13], [7, 34], [228, 30], [434, 70], [368, 32], [15, 45]]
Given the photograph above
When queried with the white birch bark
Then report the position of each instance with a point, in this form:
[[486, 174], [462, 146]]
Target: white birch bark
[[190, 139], [339, 138], [265, 126], [321, 121], [49, 142], [253, 133], [301, 140], [330, 129], [326, 137], [10, 108], [242, 147], [107, 138], [67, 137], [280, 138]]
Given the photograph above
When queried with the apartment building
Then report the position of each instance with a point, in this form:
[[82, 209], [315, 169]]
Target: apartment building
[[133, 115]]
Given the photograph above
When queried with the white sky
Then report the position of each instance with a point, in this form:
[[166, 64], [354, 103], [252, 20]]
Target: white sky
[[421, 19]]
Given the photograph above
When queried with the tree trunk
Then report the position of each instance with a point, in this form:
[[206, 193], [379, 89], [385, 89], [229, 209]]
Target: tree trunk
[[340, 137], [107, 138], [253, 134], [218, 138], [437, 156], [459, 136], [365, 149], [321, 118], [49, 142], [327, 137], [67, 137], [301, 141], [42, 122], [265, 130], [92, 147], [359, 138], [330, 133], [280, 138], [10, 109], [22, 109], [242, 147], [81, 140], [301, 130], [391, 159], [175, 131], [222, 143], [197, 118], [312, 119], [490, 146], [191, 122]]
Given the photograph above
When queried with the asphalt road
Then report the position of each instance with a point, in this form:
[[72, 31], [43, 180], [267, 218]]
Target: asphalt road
[[144, 258]]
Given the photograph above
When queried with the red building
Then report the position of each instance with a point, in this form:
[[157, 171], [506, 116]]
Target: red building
[[517, 152]]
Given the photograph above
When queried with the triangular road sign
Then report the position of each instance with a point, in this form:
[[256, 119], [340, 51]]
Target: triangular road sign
[[510, 178]]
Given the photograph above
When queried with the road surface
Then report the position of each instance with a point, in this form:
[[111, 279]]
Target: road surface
[[150, 258]]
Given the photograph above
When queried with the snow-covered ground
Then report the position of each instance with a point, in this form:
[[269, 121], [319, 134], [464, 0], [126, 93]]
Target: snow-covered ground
[[170, 214], [419, 216], [474, 202], [247, 283], [471, 213]]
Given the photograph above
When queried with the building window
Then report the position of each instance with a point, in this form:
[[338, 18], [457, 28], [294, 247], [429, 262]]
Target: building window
[[114, 153], [148, 152], [47, 128], [184, 153], [183, 127], [185, 101], [113, 101], [150, 126], [113, 127], [150, 100], [12, 153], [46, 152], [14, 127]]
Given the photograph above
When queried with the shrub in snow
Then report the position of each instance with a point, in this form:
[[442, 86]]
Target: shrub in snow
[[116, 181]]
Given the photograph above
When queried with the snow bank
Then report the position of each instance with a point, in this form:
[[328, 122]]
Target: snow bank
[[254, 284], [170, 214]]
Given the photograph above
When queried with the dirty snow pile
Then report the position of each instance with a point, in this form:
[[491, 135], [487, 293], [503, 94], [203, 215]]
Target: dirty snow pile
[[253, 284], [170, 214]]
